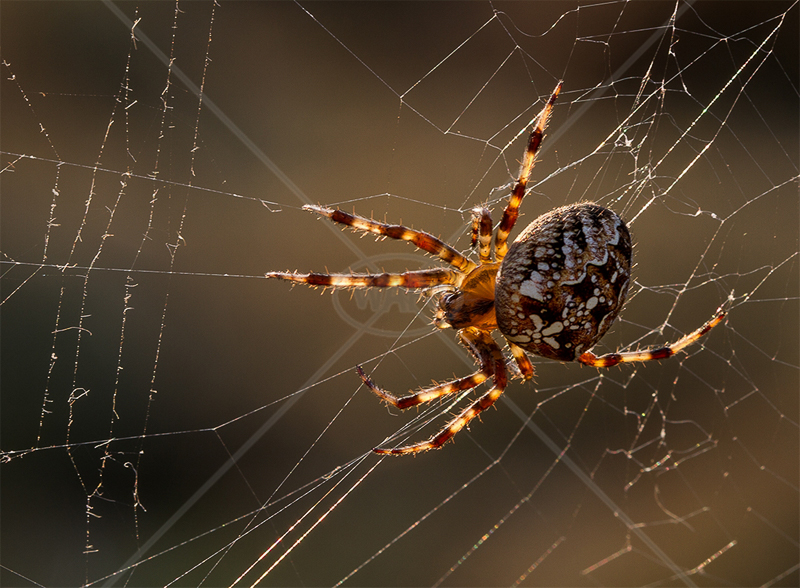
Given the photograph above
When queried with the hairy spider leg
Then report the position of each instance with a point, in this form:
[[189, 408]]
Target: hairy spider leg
[[476, 345], [420, 239], [492, 364], [523, 362], [426, 394], [612, 359], [518, 193], [411, 280], [482, 233]]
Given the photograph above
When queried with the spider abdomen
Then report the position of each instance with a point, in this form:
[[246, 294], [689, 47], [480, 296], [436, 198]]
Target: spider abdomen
[[564, 281]]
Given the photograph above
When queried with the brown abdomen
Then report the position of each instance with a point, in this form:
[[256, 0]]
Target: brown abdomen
[[564, 281]]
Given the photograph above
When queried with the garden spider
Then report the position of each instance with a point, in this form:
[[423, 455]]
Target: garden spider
[[554, 292]]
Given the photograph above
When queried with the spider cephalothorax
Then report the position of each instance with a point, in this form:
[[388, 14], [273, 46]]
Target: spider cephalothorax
[[553, 293]]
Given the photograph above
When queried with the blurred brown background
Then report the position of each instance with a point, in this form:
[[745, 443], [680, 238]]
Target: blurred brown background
[[363, 118]]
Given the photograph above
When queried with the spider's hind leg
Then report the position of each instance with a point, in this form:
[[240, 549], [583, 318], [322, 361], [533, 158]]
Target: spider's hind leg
[[612, 359]]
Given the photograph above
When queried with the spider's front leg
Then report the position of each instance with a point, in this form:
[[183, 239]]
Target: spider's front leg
[[518, 192], [420, 239], [411, 280], [482, 232], [492, 364]]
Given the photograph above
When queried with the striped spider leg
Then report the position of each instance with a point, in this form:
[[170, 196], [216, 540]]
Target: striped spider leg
[[612, 359]]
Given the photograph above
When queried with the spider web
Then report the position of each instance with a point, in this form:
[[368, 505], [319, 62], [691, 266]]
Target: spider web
[[171, 418]]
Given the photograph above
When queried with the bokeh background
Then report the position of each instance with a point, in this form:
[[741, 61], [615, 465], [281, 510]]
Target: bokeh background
[[143, 352]]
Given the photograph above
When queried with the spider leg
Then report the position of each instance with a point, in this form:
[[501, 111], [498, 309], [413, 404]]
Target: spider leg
[[482, 233], [612, 359], [426, 394], [492, 363], [412, 280], [422, 240], [518, 193], [476, 341], [523, 362]]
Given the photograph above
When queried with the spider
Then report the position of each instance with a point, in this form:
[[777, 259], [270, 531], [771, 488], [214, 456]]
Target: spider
[[554, 292]]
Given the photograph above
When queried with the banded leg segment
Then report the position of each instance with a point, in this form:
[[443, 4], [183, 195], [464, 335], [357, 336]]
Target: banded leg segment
[[518, 193], [612, 359], [482, 233], [523, 362], [426, 394], [476, 341], [422, 240], [411, 280], [492, 364]]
